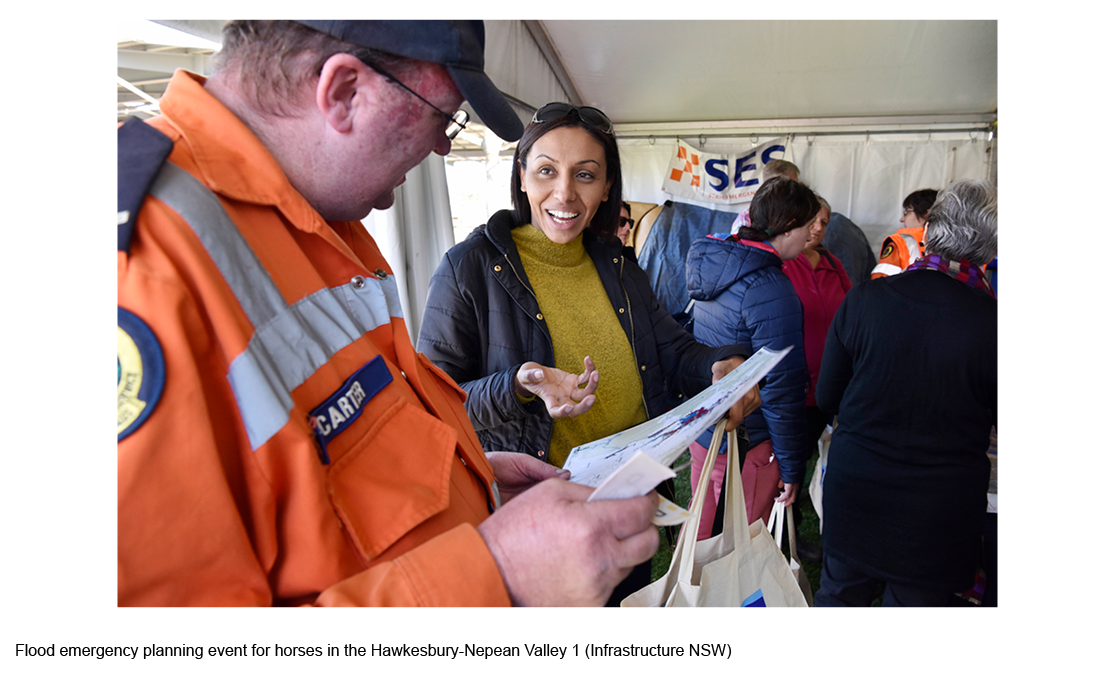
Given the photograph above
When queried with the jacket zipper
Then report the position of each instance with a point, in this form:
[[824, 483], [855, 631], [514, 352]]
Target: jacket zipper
[[546, 455], [527, 287], [631, 321]]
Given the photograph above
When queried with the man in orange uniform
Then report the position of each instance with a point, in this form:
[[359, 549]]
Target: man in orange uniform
[[279, 440], [906, 245]]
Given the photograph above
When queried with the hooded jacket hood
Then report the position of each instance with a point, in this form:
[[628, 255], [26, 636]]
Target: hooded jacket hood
[[743, 297], [715, 264]]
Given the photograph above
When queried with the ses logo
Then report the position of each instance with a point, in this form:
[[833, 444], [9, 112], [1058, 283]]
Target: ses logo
[[730, 178]]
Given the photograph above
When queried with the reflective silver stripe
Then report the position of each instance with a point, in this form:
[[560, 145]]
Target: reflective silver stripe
[[242, 270], [912, 247], [888, 269], [290, 342], [286, 351]]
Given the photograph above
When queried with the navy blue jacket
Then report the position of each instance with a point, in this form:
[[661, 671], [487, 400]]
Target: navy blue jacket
[[674, 230], [482, 322], [847, 241], [743, 297]]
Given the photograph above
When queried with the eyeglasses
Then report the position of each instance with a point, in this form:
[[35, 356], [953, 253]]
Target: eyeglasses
[[626, 221], [455, 123], [907, 211], [589, 115]]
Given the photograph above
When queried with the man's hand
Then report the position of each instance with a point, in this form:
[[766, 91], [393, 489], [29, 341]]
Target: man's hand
[[561, 391], [745, 405], [555, 549], [516, 472]]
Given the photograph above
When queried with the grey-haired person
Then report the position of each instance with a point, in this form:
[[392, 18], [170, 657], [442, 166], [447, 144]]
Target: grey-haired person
[[910, 372]]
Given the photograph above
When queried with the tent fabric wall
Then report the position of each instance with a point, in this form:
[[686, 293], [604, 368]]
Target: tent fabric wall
[[863, 177], [518, 67], [414, 234], [867, 180]]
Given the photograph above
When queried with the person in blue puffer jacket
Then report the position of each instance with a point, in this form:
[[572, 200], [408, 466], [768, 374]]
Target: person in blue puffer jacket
[[743, 297]]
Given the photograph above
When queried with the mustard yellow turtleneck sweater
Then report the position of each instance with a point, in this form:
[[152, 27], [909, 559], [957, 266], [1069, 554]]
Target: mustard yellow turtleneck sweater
[[582, 322]]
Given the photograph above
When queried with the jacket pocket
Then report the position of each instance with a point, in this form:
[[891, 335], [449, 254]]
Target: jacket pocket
[[396, 477], [468, 443]]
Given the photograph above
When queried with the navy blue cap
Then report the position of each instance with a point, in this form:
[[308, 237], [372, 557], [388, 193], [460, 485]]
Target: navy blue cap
[[458, 45]]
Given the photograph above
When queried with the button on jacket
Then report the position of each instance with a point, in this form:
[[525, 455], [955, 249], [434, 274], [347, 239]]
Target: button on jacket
[[227, 496]]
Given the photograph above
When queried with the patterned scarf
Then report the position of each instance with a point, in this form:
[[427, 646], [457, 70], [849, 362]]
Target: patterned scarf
[[962, 270]]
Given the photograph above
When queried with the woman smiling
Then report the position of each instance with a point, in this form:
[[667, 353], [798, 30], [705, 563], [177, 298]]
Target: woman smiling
[[546, 291]]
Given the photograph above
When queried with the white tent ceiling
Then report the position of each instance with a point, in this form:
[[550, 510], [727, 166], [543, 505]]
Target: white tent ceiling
[[646, 74], [661, 71]]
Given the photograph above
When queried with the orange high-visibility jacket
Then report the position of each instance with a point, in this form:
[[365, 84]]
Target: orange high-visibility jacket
[[280, 441], [900, 250]]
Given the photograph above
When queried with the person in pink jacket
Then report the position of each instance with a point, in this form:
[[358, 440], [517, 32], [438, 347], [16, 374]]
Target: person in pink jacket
[[821, 283]]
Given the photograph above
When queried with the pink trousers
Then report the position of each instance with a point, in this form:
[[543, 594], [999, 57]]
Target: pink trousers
[[760, 476]]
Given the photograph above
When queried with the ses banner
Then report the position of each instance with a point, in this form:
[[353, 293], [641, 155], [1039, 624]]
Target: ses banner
[[720, 178]]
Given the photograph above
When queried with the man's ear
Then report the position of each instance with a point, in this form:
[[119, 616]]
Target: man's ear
[[342, 76]]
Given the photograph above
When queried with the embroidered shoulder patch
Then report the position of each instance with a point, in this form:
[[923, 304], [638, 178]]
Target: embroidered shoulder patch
[[888, 249], [140, 372]]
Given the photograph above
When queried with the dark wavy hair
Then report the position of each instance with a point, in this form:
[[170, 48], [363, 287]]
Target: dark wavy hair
[[606, 220], [780, 205], [921, 201]]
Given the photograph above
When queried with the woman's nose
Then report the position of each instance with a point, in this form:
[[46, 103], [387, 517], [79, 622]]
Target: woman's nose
[[564, 189]]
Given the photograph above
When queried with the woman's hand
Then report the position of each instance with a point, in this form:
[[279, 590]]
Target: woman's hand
[[789, 493], [745, 405], [561, 391], [516, 472]]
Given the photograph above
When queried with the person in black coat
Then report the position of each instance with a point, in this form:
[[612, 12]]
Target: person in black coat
[[497, 330], [515, 309], [909, 369]]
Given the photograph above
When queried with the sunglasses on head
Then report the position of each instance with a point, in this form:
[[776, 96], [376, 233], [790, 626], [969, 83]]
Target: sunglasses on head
[[589, 115]]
